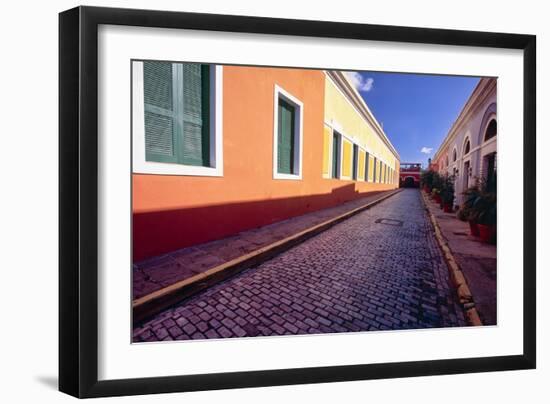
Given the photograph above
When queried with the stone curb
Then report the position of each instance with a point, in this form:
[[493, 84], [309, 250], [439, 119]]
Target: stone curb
[[151, 304], [463, 292]]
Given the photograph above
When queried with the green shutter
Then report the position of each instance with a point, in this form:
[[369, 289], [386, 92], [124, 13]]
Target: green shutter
[[158, 89], [335, 154], [355, 158], [285, 138], [195, 147], [177, 112], [366, 166]]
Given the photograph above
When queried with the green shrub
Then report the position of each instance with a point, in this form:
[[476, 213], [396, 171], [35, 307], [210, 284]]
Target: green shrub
[[480, 202], [448, 189]]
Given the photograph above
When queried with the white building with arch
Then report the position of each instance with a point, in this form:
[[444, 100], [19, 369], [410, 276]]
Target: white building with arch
[[470, 148]]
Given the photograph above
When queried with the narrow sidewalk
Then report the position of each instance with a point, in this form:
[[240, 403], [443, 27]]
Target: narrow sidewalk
[[477, 260], [160, 272]]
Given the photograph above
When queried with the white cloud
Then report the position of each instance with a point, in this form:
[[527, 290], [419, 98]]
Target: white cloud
[[426, 150], [359, 82]]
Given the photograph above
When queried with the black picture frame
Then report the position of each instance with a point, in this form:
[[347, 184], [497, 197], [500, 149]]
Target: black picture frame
[[78, 201]]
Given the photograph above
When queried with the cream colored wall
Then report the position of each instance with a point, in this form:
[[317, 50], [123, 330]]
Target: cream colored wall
[[343, 117], [472, 129]]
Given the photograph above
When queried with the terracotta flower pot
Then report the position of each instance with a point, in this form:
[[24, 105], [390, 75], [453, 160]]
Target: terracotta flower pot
[[437, 198], [474, 229], [448, 207], [487, 233]]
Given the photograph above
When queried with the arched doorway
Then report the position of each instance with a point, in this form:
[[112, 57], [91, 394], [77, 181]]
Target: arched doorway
[[489, 167], [409, 182]]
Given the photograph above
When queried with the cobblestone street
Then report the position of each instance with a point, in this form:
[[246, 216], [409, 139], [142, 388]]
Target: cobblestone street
[[379, 270]]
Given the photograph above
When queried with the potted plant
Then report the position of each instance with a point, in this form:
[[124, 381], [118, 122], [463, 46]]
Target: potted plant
[[484, 209], [437, 185], [462, 214], [436, 196], [426, 179], [467, 210], [447, 193]]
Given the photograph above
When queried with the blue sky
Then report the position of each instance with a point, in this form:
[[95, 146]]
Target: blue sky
[[416, 111]]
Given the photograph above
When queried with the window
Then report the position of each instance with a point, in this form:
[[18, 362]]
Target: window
[[490, 171], [467, 147], [367, 160], [336, 139], [176, 104], [287, 136], [491, 131], [374, 179], [355, 161], [454, 155], [176, 118]]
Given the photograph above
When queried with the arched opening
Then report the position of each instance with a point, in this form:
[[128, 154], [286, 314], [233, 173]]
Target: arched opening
[[489, 116], [489, 162], [491, 130], [454, 155], [409, 182], [467, 147]]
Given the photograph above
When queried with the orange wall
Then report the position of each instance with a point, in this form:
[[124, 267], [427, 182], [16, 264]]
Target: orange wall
[[172, 212]]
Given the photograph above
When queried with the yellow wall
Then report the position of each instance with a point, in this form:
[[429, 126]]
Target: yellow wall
[[361, 166], [346, 158], [343, 116]]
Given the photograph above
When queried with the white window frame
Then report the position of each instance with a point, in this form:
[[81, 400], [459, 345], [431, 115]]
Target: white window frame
[[331, 154], [139, 163], [336, 127], [298, 134]]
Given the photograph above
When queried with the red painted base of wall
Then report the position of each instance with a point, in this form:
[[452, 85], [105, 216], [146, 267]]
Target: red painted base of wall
[[156, 233]]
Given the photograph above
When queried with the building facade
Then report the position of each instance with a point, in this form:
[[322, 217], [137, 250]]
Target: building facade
[[409, 175], [222, 149], [469, 150]]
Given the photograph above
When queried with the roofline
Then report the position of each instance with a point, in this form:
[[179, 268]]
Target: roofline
[[344, 84], [479, 94]]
